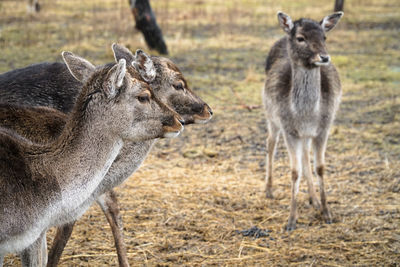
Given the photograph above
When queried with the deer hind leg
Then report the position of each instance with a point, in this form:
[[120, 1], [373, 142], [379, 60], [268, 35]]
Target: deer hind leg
[[272, 140], [59, 242], [307, 172], [319, 146], [109, 204], [294, 146], [34, 256]]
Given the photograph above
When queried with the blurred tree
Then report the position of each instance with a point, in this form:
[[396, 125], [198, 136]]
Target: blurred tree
[[146, 23], [33, 6], [339, 5]]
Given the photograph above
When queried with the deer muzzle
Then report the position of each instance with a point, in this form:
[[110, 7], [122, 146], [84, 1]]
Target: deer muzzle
[[172, 128], [321, 60], [204, 116]]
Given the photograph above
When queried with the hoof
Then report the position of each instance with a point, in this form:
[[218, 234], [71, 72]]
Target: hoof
[[291, 225], [327, 217]]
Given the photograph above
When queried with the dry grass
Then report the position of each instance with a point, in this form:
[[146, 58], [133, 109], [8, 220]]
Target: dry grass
[[191, 194]]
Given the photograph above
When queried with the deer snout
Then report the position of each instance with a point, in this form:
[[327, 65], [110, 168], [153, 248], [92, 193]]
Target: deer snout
[[204, 116], [325, 58], [322, 60], [172, 126]]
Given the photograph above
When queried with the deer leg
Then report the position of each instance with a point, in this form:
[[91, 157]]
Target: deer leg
[[32, 256], [59, 242], [43, 249], [272, 140], [319, 146], [109, 204], [294, 148], [308, 174]]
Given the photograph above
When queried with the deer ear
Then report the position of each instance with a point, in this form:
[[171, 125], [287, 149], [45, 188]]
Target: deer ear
[[120, 52], [80, 68], [145, 66], [285, 21], [115, 78], [329, 22]]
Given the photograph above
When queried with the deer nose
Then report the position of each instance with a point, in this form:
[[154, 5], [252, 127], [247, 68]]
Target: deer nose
[[325, 58]]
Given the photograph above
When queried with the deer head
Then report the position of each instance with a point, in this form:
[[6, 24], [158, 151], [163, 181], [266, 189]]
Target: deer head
[[168, 83], [307, 39], [122, 102]]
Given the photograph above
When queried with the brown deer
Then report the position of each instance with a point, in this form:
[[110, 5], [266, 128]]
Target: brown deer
[[169, 86], [40, 183], [301, 96]]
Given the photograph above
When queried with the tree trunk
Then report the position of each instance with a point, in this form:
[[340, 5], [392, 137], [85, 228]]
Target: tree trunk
[[33, 6], [339, 5], [146, 23]]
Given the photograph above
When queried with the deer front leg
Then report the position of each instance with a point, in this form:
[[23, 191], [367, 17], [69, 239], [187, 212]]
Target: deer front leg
[[59, 242], [294, 148], [319, 146], [308, 174], [272, 140], [43, 249], [34, 256], [109, 204]]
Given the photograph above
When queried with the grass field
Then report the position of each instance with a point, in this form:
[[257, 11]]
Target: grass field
[[186, 202]]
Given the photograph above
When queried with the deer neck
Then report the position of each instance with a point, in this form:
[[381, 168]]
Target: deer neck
[[306, 90], [81, 156]]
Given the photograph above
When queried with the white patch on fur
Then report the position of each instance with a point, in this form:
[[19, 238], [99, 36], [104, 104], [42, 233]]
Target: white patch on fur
[[122, 72], [173, 134], [285, 21], [322, 63], [150, 70], [329, 22], [17, 243], [198, 121], [102, 202]]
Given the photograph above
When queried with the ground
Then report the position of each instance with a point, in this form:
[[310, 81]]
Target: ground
[[184, 205]]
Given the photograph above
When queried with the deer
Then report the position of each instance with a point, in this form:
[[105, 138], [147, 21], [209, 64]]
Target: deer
[[39, 183], [169, 86], [301, 95]]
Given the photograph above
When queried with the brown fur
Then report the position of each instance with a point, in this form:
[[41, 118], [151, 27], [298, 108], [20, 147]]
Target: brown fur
[[38, 124], [37, 180], [301, 96]]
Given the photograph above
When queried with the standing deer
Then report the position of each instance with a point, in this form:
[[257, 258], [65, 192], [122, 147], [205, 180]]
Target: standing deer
[[40, 183], [301, 96], [169, 86]]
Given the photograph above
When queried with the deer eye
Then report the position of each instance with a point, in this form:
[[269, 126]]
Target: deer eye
[[324, 38], [143, 98], [178, 86], [300, 39]]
